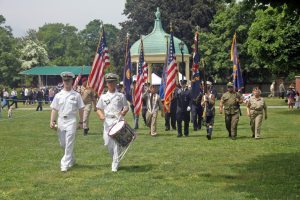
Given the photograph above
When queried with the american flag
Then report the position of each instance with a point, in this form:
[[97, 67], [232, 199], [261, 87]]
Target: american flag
[[101, 62], [75, 84], [237, 74], [171, 73], [145, 72], [139, 82], [196, 56]]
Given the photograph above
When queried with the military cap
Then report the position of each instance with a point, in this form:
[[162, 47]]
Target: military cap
[[229, 84], [67, 76], [111, 77], [183, 82]]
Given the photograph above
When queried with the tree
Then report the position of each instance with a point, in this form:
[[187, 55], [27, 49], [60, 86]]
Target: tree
[[62, 43], [33, 54], [273, 40], [9, 65], [215, 45]]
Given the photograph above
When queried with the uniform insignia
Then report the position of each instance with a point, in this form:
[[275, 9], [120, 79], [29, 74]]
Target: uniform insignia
[[107, 101]]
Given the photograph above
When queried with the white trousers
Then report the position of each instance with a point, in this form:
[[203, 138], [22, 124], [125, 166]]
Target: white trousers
[[113, 147], [66, 136]]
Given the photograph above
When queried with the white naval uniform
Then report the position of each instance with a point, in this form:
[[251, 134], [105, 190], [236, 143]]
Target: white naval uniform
[[112, 104], [67, 103]]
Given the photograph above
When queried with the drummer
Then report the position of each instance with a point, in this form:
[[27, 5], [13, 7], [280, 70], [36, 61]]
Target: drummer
[[112, 107]]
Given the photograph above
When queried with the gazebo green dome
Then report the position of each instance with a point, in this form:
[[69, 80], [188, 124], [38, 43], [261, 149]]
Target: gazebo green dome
[[155, 42]]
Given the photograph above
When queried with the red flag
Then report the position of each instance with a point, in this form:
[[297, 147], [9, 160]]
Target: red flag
[[101, 62], [139, 82], [171, 73]]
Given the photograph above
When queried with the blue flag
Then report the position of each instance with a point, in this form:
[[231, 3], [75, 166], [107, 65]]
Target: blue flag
[[238, 82], [127, 74], [196, 78]]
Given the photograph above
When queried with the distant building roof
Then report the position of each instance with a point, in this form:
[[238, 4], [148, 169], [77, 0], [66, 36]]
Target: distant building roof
[[56, 70]]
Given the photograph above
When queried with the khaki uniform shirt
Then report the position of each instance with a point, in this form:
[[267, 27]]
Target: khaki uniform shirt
[[229, 101], [256, 106], [88, 95]]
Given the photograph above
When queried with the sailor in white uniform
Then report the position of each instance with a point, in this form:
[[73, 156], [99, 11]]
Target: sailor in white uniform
[[66, 103], [112, 107]]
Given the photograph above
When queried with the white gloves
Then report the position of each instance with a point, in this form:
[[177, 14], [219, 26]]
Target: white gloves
[[188, 109]]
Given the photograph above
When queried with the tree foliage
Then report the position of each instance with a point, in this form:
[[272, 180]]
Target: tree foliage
[[9, 64], [273, 40]]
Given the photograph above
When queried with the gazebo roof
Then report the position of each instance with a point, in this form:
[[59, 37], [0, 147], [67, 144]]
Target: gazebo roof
[[155, 42]]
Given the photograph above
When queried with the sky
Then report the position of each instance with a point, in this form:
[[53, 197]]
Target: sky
[[22, 15]]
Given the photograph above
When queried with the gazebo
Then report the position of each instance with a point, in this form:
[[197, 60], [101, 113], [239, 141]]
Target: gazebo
[[155, 49]]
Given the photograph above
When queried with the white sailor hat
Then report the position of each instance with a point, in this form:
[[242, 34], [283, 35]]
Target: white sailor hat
[[110, 77], [67, 76]]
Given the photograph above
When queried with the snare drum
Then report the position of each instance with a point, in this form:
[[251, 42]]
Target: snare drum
[[122, 133]]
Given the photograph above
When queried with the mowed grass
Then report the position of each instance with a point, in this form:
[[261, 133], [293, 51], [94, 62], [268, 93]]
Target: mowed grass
[[162, 167]]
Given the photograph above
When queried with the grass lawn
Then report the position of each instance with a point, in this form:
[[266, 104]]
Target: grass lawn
[[162, 167]]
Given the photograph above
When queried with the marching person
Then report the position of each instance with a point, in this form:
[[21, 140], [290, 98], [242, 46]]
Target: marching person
[[272, 89], [197, 110], [171, 115], [208, 104], [256, 107], [153, 105], [144, 103], [112, 107], [230, 101], [184, 101], [67, 103], [89, 99]]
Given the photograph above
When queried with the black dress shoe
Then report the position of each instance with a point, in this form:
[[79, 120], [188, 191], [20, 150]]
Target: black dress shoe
[[167, 129], [253, 136], [179, 135]]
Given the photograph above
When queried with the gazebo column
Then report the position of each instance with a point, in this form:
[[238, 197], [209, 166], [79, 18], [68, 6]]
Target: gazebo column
[[150, 65], [187, 70]]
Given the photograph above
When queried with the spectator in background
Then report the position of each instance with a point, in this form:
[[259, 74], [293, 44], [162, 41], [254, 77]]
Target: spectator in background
[[26, 93], [39, 98], [23, 95], [281, 90], [51, 95], [291, 93], [272, 90], [5, 101], [13, 96]]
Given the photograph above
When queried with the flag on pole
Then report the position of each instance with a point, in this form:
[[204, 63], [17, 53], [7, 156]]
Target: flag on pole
[[127, 74], [101, 62], [139, 82], [78, 78], [171, 73], [162, 86], [196, 80], [145, 72], [238, 82]]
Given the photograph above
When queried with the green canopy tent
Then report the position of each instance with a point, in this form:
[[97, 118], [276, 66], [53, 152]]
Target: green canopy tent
[[53, 72]]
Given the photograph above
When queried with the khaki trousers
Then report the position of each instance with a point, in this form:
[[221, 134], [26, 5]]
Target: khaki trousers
[[231, 121], [151, 121], [255, 123], [86, 115]]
